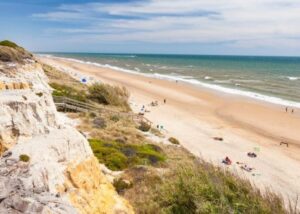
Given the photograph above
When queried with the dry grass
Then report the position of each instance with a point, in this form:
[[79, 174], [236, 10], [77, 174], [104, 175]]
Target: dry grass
[[55, 77], [109, 95]]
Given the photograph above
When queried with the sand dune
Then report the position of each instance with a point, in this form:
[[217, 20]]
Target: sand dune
[[196, 115]]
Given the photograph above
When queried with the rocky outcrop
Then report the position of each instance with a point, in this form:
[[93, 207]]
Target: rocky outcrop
[[46, 166]]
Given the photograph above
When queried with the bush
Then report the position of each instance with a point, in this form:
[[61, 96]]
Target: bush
[[66, 91], [174, 141], [145, 127], [115, 118], [92, 114], [109, 95], [8, 44], [119, 156], [121, 185], [24, 158]]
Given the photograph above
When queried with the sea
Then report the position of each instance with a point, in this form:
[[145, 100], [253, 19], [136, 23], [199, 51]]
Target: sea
[[271, 79]]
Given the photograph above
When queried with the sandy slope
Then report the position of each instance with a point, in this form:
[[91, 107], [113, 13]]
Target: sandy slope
[[196, 115]]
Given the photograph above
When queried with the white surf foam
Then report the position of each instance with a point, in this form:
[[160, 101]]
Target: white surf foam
[[293, 78]]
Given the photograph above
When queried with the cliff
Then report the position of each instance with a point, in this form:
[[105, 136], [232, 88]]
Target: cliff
[[46, 166]]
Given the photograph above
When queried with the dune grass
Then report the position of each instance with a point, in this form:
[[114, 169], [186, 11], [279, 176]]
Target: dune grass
[[203, 188], [109, 95], [70, 92], [8, 43]]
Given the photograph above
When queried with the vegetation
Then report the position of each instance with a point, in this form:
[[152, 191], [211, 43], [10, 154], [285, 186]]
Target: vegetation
[[109, 95], [174, 140], [56, 77], [144, 127], [119, 156], [24, 158], [204, 188], [121, 185], [115, 118], [8, 44], [11, 52], [66, 91]]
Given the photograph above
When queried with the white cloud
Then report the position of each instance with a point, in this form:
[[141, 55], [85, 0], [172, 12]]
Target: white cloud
[[248, 22]]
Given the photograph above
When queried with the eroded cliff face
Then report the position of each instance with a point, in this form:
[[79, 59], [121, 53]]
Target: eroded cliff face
[[62, 174]]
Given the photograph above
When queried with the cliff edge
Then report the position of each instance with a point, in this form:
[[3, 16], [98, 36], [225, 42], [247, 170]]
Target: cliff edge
[[46, 166]]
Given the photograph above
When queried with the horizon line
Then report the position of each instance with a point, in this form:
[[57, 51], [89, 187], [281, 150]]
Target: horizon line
[[166, 54]]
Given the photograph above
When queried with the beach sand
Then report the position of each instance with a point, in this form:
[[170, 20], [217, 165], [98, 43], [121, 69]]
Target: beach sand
[[196, 115]]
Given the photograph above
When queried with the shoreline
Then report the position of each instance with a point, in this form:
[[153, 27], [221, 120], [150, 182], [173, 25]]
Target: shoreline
[[197, 83], [195, 117]]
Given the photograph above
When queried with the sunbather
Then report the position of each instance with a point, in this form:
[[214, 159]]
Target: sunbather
[[227, 161], [251, 154], [247, 168]]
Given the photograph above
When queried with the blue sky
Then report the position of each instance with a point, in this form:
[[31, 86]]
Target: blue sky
[[252, 27]]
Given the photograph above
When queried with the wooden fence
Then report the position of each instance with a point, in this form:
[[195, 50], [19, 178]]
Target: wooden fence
[[67, 104]]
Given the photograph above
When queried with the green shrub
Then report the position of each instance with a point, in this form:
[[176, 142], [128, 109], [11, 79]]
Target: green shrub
[[92, 114], [121, 185], [174, 141], [66, 91], [109, 95], [115, 118], [145, 127], [8, 44], [24, 158], [119, 156]]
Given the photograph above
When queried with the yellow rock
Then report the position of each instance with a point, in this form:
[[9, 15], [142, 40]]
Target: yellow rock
[[16, 85], [9, 86], [24, 85], [90, 192], [2, 86]]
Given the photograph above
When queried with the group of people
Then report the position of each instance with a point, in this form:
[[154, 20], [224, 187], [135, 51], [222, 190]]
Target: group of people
[[228, 161], [287, 109], [155, 103]]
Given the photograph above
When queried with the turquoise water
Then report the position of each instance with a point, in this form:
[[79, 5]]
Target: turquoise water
[[274, 79]]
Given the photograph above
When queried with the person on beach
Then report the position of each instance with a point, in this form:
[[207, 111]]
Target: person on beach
[[252, 155], [165, 101], [227, 161], [286, 109]]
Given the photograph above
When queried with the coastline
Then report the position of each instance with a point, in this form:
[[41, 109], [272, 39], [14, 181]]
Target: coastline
[[197, 115], [195, 82]]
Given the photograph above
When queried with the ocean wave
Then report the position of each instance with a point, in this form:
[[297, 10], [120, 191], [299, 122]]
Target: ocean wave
[[257, 96], [207, 78], [293, 78]]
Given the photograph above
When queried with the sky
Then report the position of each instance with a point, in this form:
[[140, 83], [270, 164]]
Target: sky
[[222, 27]]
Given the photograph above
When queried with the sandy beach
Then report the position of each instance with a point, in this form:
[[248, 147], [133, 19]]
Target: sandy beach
[[197, 115]]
